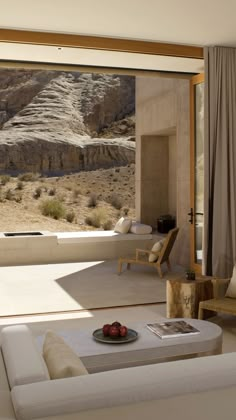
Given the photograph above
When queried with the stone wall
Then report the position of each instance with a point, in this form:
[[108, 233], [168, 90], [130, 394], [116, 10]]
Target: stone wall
[[162, 115]]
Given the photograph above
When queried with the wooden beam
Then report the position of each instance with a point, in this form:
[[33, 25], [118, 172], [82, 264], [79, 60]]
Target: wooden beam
[[100, 43]]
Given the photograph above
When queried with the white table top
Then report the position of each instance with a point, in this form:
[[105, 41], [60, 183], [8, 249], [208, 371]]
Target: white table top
[[147, 347]]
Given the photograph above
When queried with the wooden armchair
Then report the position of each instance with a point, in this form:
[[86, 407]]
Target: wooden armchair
[[161, 256], [220, 303]]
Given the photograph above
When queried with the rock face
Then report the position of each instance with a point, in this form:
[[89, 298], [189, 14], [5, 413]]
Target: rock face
[[56, 122]]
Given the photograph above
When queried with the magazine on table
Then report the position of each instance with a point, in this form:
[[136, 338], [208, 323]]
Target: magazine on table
[[170, 329]]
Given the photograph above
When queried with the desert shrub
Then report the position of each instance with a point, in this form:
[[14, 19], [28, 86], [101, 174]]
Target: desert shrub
[[96, 217], [52, 208], [9, 195], [52, 191], [70, 215], [107, 225], [29, 176], [92, 201], [4, 179], [19, 185], [76, 193], [18, 198], [116, 201], [37, 193]]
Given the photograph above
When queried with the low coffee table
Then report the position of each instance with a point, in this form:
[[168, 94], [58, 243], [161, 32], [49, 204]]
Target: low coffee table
[[147, 349]]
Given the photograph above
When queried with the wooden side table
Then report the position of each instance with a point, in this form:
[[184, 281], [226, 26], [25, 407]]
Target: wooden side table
[[183, 296]]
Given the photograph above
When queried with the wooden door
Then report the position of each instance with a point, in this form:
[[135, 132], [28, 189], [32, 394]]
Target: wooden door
[[196, 213]]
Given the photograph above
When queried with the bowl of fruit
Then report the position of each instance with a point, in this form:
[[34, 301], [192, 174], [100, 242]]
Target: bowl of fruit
[[115, 333]]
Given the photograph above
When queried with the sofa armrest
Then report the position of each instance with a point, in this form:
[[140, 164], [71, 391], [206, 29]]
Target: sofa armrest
[[23, 361]]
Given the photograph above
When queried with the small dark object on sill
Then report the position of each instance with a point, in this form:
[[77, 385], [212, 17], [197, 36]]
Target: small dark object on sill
[[190, 275]]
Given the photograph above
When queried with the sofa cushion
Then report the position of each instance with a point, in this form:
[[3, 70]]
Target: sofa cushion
[[123, 225], [60, 359], [231, 290], [23, 361], [140, 228]]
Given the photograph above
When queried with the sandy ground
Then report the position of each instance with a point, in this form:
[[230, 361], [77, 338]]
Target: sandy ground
[[20, 210]]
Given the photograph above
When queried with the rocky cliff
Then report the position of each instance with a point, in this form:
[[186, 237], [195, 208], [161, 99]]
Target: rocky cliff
[[57, 122]]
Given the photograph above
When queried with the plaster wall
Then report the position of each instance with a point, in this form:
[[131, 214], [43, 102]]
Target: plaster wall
[[162, 111]]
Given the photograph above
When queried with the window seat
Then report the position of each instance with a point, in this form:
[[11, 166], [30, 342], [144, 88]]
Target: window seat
[[98, 236], [62, 247]]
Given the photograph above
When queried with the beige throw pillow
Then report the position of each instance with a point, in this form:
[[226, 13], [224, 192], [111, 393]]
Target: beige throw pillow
[[231, 290], [156, 248], [123, 225], [60, 359]]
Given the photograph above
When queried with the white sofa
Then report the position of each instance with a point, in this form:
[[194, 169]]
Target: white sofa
[[200, 388]]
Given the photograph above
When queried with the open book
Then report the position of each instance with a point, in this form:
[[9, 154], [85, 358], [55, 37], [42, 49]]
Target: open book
[[169, 329]]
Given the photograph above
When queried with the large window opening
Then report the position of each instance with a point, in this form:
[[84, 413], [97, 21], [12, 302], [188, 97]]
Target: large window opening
[[67, 150]]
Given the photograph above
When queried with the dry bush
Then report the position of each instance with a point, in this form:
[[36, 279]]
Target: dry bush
[[116, 201], [18, 197], [37, 193], [52, 191], [70, 216], [76, 193], [52, 208], [4, 179], [29, 176], [107, 225], [96, 217], [93, 200], [19, 185]]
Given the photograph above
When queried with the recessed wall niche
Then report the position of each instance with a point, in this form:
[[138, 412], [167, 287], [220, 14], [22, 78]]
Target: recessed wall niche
[[159, 180]]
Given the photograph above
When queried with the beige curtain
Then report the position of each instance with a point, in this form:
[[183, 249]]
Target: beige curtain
[[219, 248]]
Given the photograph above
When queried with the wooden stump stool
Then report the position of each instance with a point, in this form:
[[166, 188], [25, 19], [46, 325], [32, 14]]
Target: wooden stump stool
[[183, 296]]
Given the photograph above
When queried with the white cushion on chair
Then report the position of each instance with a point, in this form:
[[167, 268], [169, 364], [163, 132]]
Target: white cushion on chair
[[123, 225], [156, 248], [231, 290]]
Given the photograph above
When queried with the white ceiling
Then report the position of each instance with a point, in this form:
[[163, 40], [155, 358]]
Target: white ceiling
[[205, 22]]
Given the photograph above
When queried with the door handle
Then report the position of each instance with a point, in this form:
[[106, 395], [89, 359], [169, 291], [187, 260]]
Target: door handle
[[191, 216]]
